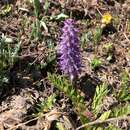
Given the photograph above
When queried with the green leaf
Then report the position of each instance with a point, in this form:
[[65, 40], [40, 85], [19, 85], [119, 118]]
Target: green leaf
[[36, 30], [85, 38], [101, 93], [99, 128], [61, 16], [112, 127], [46, 105], [105, 115], [50, 101], [8, 40], [60, 126], [120, 110], [43, 24], [46, 5], [96, 63], [5, 10], [123, 93], [97, 35], [110, 57], [65, 86], [37, 8]]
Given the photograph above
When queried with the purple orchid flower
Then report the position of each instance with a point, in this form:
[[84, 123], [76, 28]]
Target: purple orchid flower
[[69, 50]]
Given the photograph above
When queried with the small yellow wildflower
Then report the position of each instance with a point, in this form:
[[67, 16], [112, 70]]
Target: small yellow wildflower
[[106, 18]]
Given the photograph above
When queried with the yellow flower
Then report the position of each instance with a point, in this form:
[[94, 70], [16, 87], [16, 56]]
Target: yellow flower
[[106, 18]]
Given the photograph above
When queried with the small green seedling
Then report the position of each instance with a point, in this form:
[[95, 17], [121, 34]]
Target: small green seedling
[[46, 5], [8, 56], [85, 38], [96, 63], [110, 57], [45, 105], [109, 51], [97, 35], [36, 29], [59, 17], [101, 93], [108, 47], [123, 93]]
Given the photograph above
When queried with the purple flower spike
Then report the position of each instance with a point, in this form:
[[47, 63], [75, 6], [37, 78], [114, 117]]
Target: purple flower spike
[[69, 50]]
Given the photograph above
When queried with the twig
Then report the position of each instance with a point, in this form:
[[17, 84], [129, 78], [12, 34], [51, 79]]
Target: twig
[[22, 123], [47, 116], [26, 55], [98, 121], [24, 9], [99, 11], [126, 37]]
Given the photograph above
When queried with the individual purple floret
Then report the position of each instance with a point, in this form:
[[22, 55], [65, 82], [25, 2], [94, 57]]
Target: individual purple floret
[[69, 50]]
